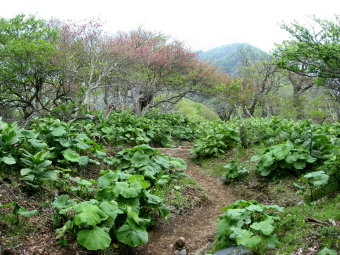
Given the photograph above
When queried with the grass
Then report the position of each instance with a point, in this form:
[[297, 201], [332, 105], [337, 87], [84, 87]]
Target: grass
[[240, 155], [181, 194], [296, 231]]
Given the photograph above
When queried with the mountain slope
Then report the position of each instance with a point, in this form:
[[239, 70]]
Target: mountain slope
[[228, 57]]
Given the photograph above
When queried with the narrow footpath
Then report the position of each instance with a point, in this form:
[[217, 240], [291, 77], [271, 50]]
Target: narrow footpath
[[197, 227]]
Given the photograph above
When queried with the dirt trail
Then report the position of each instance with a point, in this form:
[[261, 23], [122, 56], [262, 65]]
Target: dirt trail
[[199, 226]]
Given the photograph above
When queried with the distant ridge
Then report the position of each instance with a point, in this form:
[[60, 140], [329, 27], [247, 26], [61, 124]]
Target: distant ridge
[[227, 57]]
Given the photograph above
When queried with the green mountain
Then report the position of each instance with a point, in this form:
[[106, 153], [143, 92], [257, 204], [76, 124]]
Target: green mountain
[[228, 57]]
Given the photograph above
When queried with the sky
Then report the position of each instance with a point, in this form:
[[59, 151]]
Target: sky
[[200, 24]]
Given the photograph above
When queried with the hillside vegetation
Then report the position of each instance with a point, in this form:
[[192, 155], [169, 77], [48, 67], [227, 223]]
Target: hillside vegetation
[[94, 154]]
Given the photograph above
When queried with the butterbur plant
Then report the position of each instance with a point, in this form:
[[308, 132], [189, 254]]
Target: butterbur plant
[[149, 162], [315, 180], [121, 211], [247, 223], [234, 171], [36, 168], [10, 135], [284, 158], [215, 139]]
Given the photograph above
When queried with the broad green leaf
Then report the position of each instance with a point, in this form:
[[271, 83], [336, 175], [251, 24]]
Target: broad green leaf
[[179, 163], [267, 160], [235, 214], [271, 241], [132, 214], [326, 251], [266, 226], [58, 131], [108, 180], [161, 160], [63, 202], [8, 160], [132, 235], [110, 208], [50, 176], [246, 238], [162, 181], [37, 144], [318, 178], [140, 179], [71, 155], [89, 214], [28, 178], [84, 160], [153, 199], [82, 146], [27, 214], [301, 164], [139, 158], [149, 172], [25, 171], [128, 190], [257, 208], [94, 239]]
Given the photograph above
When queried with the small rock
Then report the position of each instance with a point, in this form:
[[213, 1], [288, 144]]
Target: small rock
[[181, 252], [239, 250]]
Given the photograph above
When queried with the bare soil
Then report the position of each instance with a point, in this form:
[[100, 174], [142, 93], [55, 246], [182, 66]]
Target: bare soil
[[198, 226]]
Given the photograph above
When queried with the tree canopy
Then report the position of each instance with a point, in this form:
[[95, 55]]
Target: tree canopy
[[311, 51]]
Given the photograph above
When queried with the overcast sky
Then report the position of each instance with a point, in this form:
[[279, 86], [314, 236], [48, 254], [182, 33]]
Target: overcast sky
[[201, 24]]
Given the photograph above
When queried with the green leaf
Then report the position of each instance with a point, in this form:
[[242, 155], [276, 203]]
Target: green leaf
[[153, 199], [326, 251], [84, 160], [110, 208], [132, 214], [246, 238], [318, 178], [127, 190], [255, 208], [132, 235], [89, 214], [299, 164], [162, 181], [139, 158], [71, 155], [290, 159], [82, 146], [37, 144], [267, 159], [63, 202], [25, 171], [108, 180], [8, 160], [266, 226], [50, 176], [27, 214], [94, 239], [179, 163], [58, 131]]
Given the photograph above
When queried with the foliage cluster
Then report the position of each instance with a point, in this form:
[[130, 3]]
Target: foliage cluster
[[214, 139], [248, 223], [120, 204]]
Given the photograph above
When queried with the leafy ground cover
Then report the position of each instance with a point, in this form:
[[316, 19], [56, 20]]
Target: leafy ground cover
[[308, 195], [98, 184]]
